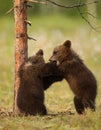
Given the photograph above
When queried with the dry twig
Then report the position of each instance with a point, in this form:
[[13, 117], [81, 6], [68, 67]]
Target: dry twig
[[28, 22], [35, 1], [89, 14], [73, 6], [10, 10], [31, 38], [81, 14]]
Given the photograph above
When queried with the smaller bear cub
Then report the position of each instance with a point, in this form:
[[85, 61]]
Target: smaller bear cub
[[30, 98], [36, 76]]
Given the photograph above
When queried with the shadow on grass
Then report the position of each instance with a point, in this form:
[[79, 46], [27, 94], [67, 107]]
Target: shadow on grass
[[9, 113]]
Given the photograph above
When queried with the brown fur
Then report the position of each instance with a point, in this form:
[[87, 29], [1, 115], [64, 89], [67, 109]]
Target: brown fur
[[30, 98], [36, 76], [50, 74], [81, 80]]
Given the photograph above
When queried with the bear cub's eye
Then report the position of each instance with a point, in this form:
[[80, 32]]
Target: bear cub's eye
[[54, 52], [34, 62]]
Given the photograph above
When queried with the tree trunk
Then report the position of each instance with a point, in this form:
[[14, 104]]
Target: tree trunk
[[21, 49]]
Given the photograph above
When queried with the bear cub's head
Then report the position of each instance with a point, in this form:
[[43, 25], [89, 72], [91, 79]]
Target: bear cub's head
[[32, 65], [61, 53], [36, 59]]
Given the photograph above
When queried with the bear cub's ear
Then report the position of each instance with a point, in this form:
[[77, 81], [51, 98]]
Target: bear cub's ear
[[40, 52], [67, 43]]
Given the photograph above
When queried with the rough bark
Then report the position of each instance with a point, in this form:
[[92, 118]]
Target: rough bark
[[21, 52]]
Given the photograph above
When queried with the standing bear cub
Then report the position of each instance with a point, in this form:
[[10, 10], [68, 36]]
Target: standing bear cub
[[36, 76], [81, 80], [30, 98]]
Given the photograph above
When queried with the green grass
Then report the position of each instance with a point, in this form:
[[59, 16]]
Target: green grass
[[49, 32]]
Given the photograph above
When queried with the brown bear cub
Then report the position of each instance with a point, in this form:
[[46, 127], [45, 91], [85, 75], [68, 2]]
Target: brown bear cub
[[30, 98], [81, 80], [36, 76]]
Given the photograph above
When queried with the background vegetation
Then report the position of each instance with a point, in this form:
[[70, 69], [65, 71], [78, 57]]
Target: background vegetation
[[49, 8], [49, 30]]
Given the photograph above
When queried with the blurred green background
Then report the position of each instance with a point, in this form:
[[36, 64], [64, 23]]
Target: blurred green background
[[51, 26], [49, 8]]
